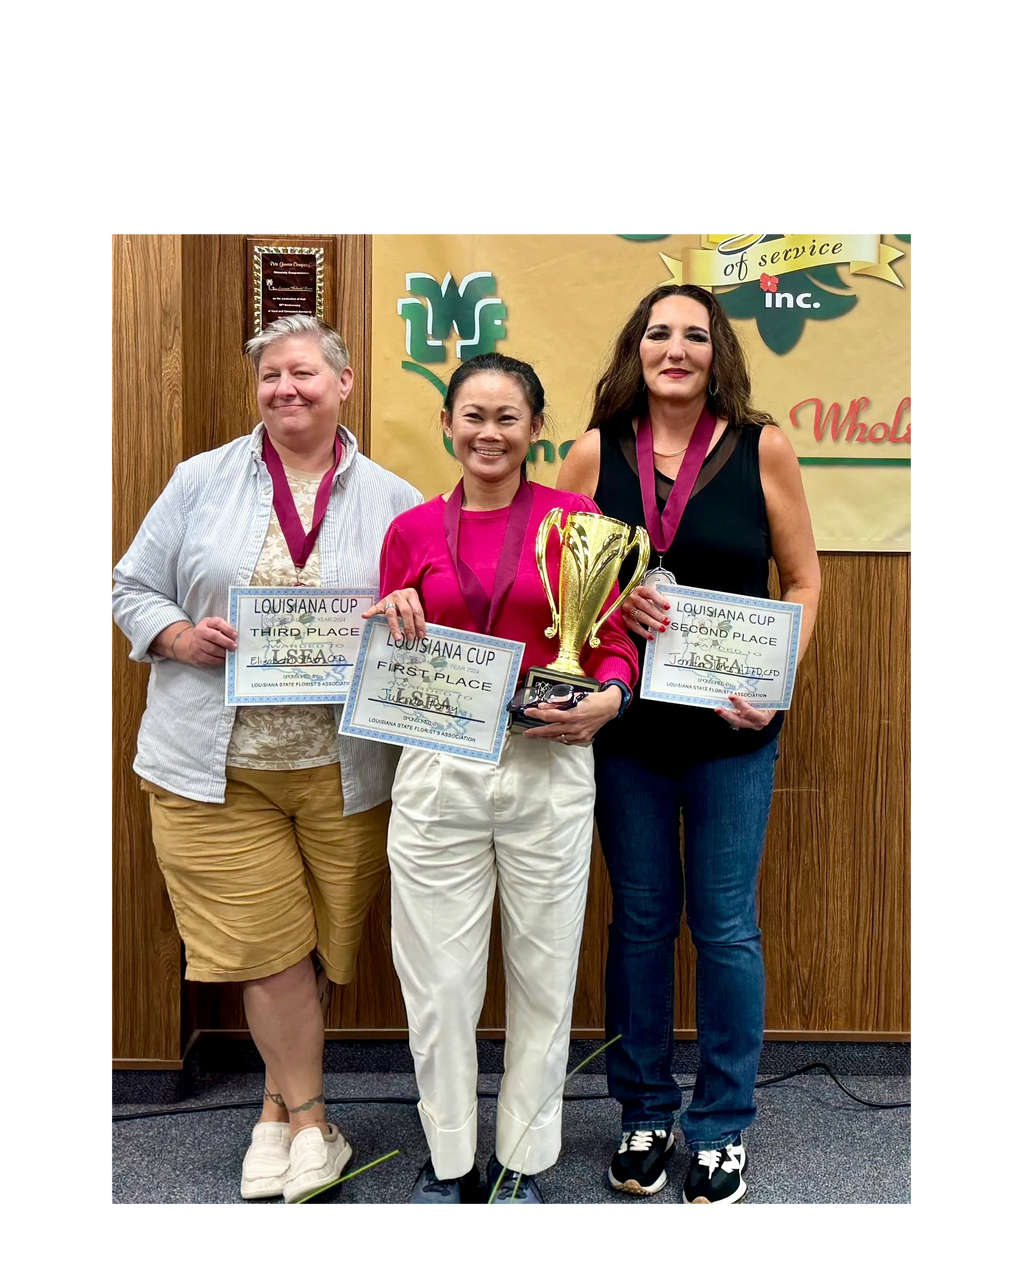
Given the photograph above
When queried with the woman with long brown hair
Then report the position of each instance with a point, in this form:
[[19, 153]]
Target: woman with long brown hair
[[675, 444]]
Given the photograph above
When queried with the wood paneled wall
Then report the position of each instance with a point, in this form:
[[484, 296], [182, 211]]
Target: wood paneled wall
[[181, 385], [834, 890], [148, 429]]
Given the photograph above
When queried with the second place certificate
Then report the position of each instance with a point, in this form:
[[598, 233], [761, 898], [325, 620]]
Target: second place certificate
[[718, 644], [448, 691]]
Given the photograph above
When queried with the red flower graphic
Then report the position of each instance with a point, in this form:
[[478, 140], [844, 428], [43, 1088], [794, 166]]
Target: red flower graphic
[[768, 283]]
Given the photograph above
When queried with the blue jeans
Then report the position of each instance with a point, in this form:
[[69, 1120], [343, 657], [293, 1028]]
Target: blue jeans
[[724, 804]]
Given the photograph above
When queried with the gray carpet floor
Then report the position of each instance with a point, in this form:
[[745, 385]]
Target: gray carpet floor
[[810, 1143]]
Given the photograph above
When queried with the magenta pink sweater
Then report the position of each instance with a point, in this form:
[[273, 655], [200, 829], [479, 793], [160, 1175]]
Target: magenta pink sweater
[[415, 555]]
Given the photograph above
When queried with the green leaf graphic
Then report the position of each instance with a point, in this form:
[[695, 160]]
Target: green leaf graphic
[[643, 236], [831, 305], [827, 274], [782, 332], [744, 303]]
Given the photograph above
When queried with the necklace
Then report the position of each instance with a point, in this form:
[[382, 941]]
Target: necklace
[[666, 454]]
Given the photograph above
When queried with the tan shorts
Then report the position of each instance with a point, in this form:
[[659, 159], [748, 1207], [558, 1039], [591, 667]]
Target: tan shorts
[[260, 880]]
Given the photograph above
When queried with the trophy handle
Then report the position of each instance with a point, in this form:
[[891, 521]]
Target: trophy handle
[[551, 521], [641, 542]]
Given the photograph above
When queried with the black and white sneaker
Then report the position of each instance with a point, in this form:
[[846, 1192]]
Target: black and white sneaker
[[640, 1164], [715, 1177]]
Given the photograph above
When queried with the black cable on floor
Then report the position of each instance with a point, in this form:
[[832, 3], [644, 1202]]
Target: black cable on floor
[[820, 1065], [414, 1100]]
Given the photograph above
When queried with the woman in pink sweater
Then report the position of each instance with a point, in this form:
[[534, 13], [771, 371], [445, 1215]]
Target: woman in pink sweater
[[459, 829]]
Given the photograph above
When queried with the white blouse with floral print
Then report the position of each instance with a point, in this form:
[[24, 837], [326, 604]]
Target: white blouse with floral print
[[279, 738]]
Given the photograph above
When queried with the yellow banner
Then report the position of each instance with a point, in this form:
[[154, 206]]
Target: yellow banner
[[828, 351], [735, 260]]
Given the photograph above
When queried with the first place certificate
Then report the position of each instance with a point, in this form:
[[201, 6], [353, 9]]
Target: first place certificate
[[448, 691], [296, 646], [719, 644]]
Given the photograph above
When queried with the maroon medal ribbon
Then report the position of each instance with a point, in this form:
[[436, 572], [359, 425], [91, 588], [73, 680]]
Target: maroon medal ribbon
[[483, 608], [300, 544], [662, 527]]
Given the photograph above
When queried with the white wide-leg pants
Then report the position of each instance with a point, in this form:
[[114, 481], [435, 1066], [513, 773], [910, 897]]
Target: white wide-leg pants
[[459, 829]]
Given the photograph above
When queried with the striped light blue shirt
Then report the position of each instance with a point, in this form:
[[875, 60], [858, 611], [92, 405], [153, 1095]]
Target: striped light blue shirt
[[203, 535]]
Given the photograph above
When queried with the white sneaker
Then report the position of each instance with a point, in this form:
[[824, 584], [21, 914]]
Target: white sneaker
[[265, 1165], [316, 1161]]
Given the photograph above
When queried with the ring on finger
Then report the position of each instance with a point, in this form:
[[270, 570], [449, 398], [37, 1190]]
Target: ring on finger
[[390, 606]]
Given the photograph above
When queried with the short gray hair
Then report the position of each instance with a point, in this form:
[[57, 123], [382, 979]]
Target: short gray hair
[[331, 343]]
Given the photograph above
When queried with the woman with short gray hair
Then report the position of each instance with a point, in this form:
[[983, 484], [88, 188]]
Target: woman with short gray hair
[[269, 827], [331, 344]]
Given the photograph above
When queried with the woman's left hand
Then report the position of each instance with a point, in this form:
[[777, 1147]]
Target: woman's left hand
[[578, 725], [745, 715]]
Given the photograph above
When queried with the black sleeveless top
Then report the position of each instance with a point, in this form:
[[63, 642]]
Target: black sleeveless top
[[723, 543]]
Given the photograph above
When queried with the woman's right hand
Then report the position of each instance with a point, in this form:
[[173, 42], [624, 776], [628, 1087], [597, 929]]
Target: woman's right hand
[[204, 645], [645, 611], [402, 603]]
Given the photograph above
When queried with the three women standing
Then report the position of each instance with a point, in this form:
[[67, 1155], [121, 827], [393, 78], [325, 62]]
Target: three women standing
[[678, 386], [524, 826], [239, 802]]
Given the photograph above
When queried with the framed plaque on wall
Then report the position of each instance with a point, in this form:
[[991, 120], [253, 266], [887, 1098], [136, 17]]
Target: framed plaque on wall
[[288, 276]]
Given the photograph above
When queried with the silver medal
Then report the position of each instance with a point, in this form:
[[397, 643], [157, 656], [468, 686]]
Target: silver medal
[[656, 575]]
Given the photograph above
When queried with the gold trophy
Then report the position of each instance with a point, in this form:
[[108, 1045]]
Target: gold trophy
[[593, 549]]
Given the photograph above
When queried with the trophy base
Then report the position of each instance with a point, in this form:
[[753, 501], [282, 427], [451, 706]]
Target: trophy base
[[538, 685]]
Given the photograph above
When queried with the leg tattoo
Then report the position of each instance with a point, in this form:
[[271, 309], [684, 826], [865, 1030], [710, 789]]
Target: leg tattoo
[[308, 1105], [275, 1097]]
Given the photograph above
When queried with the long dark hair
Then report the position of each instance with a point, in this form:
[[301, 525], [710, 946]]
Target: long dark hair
[[621, 394]]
